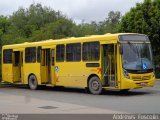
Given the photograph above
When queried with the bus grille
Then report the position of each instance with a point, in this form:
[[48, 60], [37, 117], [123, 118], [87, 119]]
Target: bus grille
[[139, 78]]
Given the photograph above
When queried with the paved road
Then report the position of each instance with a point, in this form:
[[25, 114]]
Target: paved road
[[66, 100]]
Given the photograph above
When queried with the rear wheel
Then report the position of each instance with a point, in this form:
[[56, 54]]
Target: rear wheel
[[32, 82], [95, 86]]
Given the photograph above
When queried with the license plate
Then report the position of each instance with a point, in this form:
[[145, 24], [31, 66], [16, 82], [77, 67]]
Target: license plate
[[143, 84]]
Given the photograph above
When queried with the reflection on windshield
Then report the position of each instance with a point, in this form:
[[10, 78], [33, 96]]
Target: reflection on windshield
[[137, 56]]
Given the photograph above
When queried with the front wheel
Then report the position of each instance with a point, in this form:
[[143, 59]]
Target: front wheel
[[32, 82], [95, 86]]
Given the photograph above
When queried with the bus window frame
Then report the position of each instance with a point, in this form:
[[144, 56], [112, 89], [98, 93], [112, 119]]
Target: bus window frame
[[33, 60], [11, 56], [98, 51], [57, 60], [74, 60]]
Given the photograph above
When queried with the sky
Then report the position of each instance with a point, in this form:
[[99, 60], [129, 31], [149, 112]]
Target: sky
[[77, 10]]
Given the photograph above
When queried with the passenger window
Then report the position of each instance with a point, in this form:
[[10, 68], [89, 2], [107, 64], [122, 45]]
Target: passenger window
[[60, 53], [30, 55], [91, 51], [73, 52], [7, 56]]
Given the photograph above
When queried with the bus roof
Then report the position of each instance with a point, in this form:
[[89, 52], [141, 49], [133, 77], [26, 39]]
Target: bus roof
[[105, 37]]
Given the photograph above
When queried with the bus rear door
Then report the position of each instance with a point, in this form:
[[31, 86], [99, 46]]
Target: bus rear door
[[47, 66], [18, 66]]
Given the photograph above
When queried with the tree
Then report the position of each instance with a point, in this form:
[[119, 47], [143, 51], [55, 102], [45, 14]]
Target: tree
[[4, 24], [36, 23], [114, 17], [109, 25], [59, 29], [87, 28], [33, 18]]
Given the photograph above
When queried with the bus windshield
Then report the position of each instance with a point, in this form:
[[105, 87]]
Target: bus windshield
[[137, 56]]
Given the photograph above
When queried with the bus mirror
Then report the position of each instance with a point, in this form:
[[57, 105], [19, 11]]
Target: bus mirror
[[121, 49]]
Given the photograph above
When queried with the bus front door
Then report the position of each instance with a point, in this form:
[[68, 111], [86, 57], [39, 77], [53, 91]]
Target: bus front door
[[110, 65]]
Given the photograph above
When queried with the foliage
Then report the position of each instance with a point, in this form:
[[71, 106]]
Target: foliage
[[109, 25], [41, 23], [25, 23]]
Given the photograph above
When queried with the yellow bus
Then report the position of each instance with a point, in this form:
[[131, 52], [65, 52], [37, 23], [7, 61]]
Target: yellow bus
[[120, 61]]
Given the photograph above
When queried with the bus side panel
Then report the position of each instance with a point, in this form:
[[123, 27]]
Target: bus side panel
[[7, 73], [32, 68], [74, 74], [70, 74]]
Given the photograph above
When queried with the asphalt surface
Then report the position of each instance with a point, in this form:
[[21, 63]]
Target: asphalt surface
[[19, 99]]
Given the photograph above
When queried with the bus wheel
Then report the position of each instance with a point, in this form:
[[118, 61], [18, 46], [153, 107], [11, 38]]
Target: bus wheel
[[33, 84], [95, 86]]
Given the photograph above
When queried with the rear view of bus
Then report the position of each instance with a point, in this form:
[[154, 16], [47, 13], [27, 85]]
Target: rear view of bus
[[137, 62]]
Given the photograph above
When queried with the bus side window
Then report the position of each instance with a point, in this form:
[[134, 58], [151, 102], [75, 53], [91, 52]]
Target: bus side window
[[30, 55], [91, 51], [60, 49], [7, 56], [73, 52]]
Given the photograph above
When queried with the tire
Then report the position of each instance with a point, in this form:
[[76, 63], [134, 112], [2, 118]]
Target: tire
[[95, 86], [32, 82]]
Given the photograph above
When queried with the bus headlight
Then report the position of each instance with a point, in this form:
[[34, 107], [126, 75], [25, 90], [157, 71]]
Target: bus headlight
[[125, 73]]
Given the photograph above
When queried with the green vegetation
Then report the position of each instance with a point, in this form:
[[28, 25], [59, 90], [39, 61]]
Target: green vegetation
[[41, 23]]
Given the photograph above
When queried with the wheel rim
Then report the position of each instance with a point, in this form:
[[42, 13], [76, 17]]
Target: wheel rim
[[95, 85], [33, 83]]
